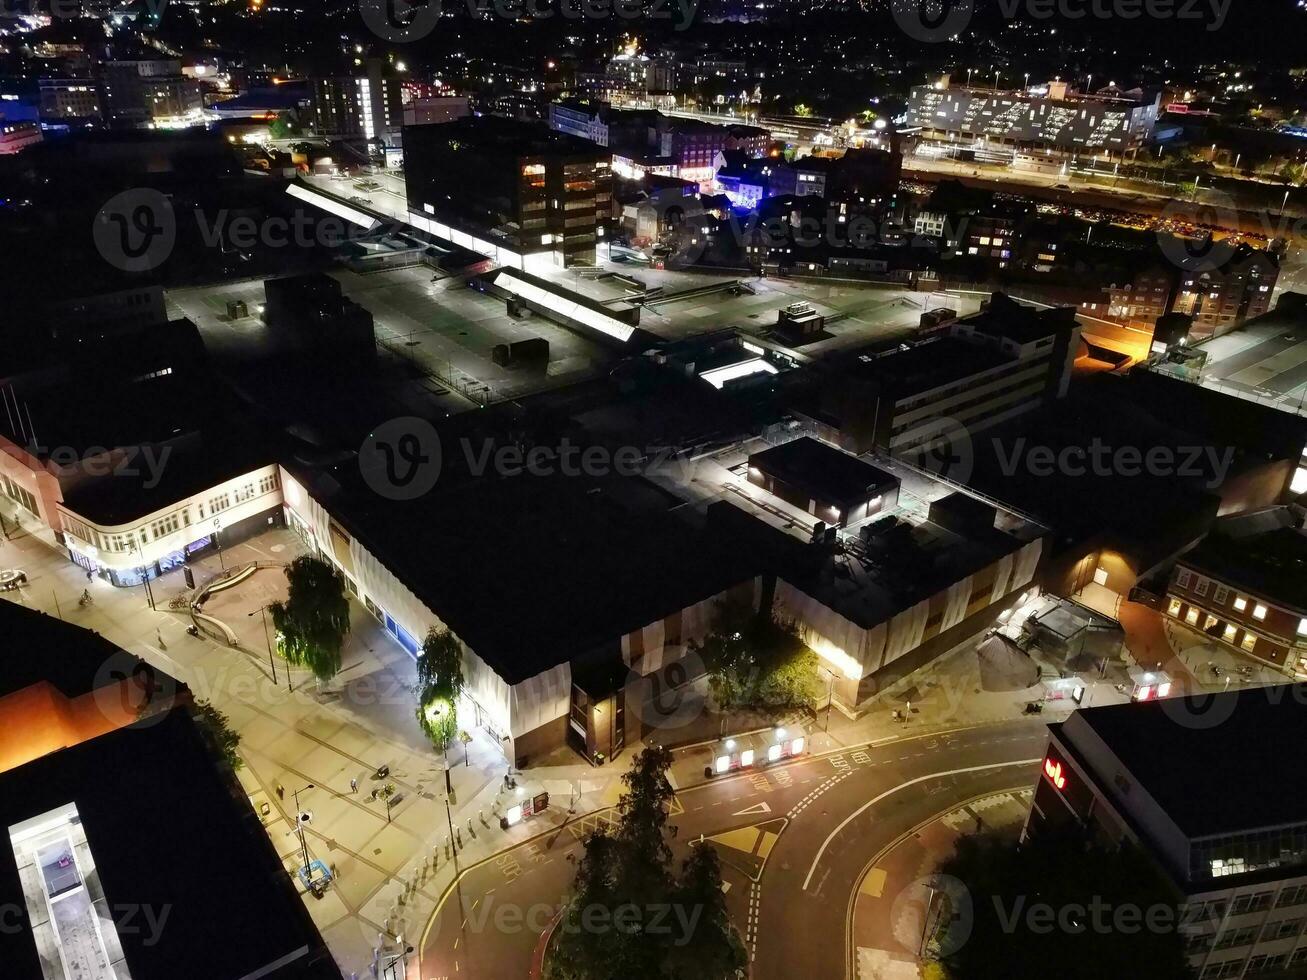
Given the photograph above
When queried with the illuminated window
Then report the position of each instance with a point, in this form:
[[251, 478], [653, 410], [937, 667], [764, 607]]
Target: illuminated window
[[1228, 635], [1259, 611], [1191, 617], [746, 757], [773, 753], [1174, 607], [1209, 622], [1249, 641], [1302, 627], [1240, 603], [723, 763], [533, 168]]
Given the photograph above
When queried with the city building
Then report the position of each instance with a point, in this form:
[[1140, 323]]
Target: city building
[[151, 93], [17, 136], [1231, 286], [435, 109], [1197, 783], [1245, 588], [369, 106], [529, 625], [933, 571], [826, 482], [1055, 117], [71, 100], [541, 195], [102, 760], [980, 371]]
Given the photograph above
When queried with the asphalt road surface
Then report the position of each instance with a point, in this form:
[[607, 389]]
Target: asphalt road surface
[[794, 840]]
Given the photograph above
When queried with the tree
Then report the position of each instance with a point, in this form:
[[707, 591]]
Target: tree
[[311, 624], [281, 127], [631, 868], [440, 682], [757, 662], [1113, 911], [217, 731]]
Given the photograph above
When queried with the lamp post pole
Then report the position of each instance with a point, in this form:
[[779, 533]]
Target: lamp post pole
[[263, 612], [299, 826], [217, 526]]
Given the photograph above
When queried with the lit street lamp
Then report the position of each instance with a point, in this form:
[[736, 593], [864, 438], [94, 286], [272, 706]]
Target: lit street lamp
[[217, 526], [299, 827]]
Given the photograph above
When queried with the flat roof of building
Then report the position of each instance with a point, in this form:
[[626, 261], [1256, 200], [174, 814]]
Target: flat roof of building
[[823, 471], [169, 832], [40, 648], [1211, 761], [909, 370], [535, 571], [521, 138]]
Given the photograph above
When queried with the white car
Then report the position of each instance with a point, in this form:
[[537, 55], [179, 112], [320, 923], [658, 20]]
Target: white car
[[12, 579]]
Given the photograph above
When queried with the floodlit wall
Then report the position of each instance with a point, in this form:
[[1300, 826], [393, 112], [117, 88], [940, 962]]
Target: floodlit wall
[[856, 652], [511, 710]]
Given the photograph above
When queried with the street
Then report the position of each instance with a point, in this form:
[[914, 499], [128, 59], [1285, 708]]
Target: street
[[794, 841]]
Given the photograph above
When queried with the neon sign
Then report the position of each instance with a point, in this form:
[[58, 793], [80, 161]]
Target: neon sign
[[1053, 770]]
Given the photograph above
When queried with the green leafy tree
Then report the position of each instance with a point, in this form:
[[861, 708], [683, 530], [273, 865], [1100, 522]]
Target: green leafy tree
[[281, 128], [632, 866], [311, 624], [1114, 912], [757, 662], [440, 682], [218, 732]]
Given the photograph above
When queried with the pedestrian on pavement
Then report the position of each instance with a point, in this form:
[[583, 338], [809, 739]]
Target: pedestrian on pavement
[[281, 791], [353, 785]]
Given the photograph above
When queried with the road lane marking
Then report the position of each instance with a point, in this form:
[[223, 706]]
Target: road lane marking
[[890, 792]]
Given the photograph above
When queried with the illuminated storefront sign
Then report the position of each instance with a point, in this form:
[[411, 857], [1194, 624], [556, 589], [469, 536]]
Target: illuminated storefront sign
[[1053, 770]]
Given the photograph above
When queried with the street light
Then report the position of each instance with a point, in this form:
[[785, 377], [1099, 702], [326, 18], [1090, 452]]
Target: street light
[[217, 526], [262, 611], [299, 826]]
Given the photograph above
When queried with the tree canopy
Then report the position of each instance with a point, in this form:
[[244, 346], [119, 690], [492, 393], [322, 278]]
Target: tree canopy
[[1061, 904], [311, 624], [218, 732], [757, 662], [440, 682], [633, 915]]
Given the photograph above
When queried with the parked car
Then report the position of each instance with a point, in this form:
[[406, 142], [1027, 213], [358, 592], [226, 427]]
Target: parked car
[[12, 579]]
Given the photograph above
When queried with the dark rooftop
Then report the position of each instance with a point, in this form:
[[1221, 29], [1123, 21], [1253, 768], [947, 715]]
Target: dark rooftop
[[927, 365], [1005, 317], [171, 832], [1213, 778], [1272, 565], [498, 134], [38, 647], [826, 472], [535, 571]]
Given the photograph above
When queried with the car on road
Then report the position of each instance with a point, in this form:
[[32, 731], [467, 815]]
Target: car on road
[[12, 579]]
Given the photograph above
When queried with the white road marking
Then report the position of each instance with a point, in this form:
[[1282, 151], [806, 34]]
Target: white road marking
[[890, 792]]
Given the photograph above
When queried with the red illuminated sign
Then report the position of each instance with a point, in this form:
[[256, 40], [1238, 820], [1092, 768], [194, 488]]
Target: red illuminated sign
[[1053, 770]]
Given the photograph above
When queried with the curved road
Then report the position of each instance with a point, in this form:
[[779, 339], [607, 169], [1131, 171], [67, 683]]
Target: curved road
[[794, 840]]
